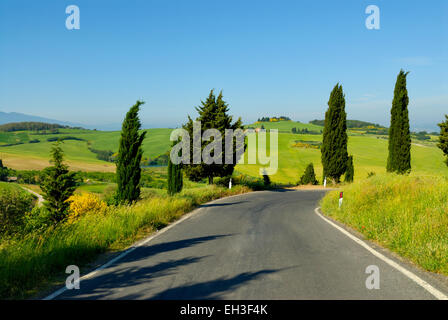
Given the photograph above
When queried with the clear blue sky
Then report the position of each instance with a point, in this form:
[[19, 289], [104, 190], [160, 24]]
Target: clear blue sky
[[269, 58]]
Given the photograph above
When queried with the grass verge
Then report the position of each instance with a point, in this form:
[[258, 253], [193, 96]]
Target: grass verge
[[29, 261], [408, 215]]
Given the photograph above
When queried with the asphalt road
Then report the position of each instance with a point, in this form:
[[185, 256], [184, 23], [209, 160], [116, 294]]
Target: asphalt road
[[262, 245]]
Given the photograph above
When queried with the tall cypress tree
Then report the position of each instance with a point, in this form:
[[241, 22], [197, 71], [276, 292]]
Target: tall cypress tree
[[3, 171], [175, 179], [213, 114], [130, 154], [334, 144], [443, 138], [399, 158], [58, 184]]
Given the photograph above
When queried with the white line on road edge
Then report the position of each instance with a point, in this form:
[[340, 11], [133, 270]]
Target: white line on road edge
[[436, 293], [135, 246]]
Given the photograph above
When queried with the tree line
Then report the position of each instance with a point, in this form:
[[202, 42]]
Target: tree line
[[33, 126]]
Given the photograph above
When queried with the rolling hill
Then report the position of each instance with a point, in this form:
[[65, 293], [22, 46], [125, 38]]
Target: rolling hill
[[369, 151]]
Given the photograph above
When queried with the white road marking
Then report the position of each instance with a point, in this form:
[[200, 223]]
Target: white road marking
[[135, 246], [436, 293]]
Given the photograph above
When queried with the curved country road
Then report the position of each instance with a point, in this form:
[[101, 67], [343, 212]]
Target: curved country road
[[261, 245]]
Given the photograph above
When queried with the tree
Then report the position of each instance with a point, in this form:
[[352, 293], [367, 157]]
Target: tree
[[334, 145], [3, 171], [309, 177], [443, 137], [399, 158], [266, 179], [130, 154], [350, 172], [58, 184], [213, 114], [175, 179]]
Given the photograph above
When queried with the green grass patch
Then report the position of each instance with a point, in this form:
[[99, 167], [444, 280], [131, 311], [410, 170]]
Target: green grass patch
[[408, 215]]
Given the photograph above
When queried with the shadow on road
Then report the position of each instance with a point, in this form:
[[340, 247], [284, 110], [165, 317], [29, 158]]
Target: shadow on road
[[126, 275], [208, 290], [221, 204]]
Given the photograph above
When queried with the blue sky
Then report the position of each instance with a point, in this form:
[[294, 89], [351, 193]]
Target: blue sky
[[270, 58]]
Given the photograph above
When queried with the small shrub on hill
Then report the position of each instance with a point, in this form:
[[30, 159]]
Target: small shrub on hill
[[309, 177]]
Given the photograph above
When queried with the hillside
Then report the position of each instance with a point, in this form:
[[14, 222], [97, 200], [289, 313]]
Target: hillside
[[295, 150], [285, 126], [32, 149]]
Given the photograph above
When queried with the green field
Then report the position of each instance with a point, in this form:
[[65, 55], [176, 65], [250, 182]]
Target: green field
[[35, 155], [369, 151], [369, 154]]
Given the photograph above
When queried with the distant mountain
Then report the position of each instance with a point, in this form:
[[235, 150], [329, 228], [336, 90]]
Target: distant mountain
[[6, 117]]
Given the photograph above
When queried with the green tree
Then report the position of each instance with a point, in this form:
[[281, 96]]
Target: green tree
[[130, 154], [175, 179], [213, 114], [334, 145], [309, 177], [443, 138], [266, 179], [58, 184], [399, 158], [3, 171], [350, 172]]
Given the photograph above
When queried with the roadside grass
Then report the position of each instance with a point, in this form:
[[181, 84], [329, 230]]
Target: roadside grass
[[29, 262], [406, 214]]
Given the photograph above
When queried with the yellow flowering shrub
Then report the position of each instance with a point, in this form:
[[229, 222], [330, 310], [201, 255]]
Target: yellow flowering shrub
[[81, 204]]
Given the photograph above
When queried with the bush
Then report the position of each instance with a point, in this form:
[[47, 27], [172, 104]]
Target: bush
[[223, 181], [81, 204], [266, 180], [309, 177], [38, 219], [14, 203]]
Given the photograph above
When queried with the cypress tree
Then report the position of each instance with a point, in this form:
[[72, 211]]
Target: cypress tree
[[309, 177], [399, 158], [443, 138], [334, 144], [175, 179], [58, 184], [3, 171], [350, 172], [213, 114], [130, 154]]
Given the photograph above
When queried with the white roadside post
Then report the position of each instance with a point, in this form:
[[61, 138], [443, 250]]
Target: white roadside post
[[230, 183], [341, 197], [325, 182]]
